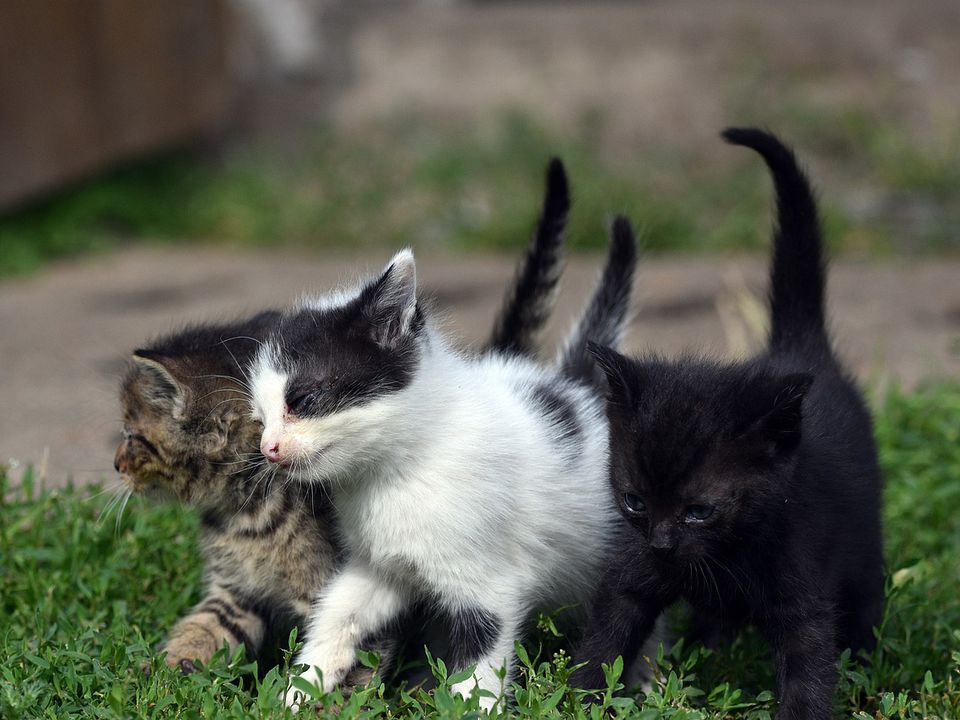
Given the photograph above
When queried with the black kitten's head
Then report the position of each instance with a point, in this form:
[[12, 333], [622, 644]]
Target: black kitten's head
[[700, 451], [326, 383]]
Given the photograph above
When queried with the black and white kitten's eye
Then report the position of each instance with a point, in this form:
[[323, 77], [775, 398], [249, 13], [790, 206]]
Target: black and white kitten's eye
[[698, 513], [634, 503], [298, 403]]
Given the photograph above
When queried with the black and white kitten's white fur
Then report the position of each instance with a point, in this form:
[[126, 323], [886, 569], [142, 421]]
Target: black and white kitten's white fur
[[752, 488], [474, 486]]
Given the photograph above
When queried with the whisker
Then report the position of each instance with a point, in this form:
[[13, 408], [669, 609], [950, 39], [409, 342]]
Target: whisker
[[239, 384], [239, 391], [234, 357], [243, 337], [110, 505], [108, 489], [716, 585], [238, 380], [732, 575], [242, 471], [247, 461], [222, 402], [253, 490], [123, 507], [232, 378]]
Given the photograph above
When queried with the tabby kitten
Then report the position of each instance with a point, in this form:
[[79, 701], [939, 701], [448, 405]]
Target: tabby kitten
[[268, 543], [188, 437], [752, 489]]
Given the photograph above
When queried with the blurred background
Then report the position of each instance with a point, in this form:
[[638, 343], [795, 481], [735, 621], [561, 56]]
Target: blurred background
[[191, 159]]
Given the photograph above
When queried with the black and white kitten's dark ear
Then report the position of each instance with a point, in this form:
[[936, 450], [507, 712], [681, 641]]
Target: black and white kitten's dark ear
[[616, 369], [778, 429], [390, 303], [157, 385]]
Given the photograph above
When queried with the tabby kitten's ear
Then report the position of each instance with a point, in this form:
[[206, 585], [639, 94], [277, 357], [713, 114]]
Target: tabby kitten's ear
[[158, 386], [777, 430], [617, 369], [390, 303]]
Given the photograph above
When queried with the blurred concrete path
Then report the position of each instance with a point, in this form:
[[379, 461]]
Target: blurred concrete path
[[67, 331]]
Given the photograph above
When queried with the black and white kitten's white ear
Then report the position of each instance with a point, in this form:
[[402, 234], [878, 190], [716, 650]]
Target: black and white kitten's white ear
[[390, 303], [778, 428], [617, 370], [157, 385]]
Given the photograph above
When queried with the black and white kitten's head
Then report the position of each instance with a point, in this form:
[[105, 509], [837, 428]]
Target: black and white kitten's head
[[700, 451], [325, 384]]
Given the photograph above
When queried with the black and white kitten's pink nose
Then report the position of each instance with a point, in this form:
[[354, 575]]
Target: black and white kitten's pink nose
[[271, 450]]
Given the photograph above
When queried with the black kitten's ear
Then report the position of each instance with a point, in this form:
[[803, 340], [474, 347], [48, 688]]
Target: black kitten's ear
[[157, 384], [778, 429], [616, 368], [390, 303]]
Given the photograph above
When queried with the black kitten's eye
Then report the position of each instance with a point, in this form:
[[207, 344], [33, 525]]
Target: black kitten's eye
[[634, 503], [698, 513]]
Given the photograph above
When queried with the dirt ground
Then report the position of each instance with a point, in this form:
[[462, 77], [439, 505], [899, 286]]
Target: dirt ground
[[67, 331]]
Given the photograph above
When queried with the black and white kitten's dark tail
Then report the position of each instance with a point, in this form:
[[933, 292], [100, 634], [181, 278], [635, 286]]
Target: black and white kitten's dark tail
[[530, 298], [605, 318], [798, 269]]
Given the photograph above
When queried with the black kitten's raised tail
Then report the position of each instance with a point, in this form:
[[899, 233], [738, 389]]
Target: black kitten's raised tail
[[530, 298], [605, 318], [797, 271]]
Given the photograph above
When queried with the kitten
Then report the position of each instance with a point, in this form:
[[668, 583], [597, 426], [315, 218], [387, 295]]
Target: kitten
[[471, 485], [752, 488], [268, 544]]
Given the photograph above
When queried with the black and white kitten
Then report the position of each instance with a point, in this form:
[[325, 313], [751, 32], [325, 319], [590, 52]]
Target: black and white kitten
[[474, 486], [752, 488]]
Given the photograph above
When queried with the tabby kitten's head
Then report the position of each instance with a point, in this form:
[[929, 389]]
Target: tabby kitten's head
[[187, 433], [701, 452]]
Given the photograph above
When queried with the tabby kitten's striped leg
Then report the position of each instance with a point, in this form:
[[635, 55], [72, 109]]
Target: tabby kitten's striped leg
[[217, 618]]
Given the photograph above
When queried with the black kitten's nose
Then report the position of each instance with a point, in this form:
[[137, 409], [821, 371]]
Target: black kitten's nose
[[663, 539], [663, 542], [663, 550]]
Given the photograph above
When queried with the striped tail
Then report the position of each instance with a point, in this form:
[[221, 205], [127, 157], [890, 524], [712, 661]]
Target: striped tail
[[798, 270], [605, 318], [529, 299]]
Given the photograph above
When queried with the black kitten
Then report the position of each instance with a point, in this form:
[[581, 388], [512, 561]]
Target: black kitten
[[751, 489]]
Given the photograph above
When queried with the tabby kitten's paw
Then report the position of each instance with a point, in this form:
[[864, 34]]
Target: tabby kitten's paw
[[186, 666], [186, 651], [186, 662]]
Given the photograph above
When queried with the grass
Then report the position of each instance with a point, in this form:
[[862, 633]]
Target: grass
[[407, 181], [85, 601]]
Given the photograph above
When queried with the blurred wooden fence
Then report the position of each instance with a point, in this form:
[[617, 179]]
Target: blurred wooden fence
[[87, 83]]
